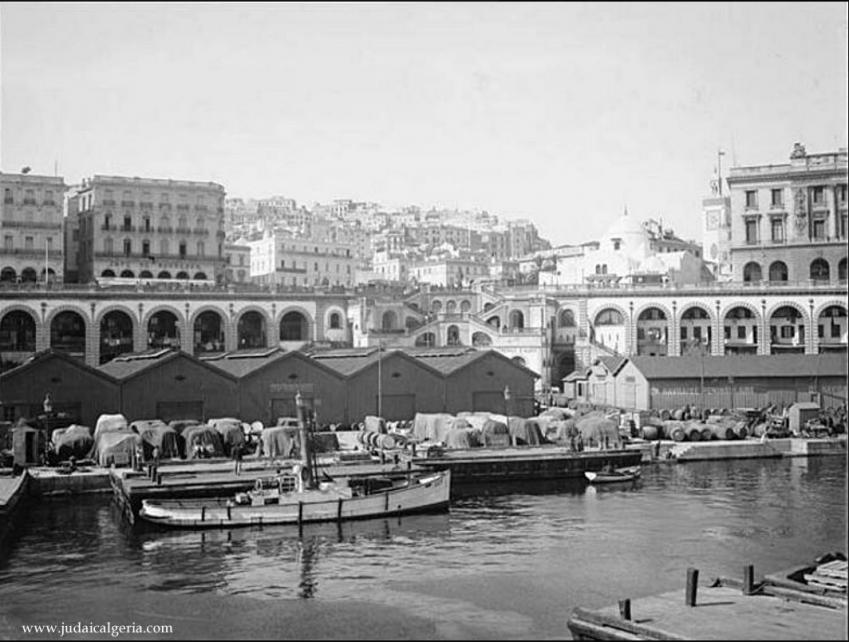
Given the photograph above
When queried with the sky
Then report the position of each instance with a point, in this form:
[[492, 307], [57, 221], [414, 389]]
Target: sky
[[561, 113]]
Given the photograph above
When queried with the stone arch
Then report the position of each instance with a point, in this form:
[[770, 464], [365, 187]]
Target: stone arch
[[164, 274], [389, 320], [239, 321], [650, 339], [161, 341], [145, 274], [660, 306], [452, 335], [8, 274], [841, 303], [436, 306], [481, 340], [695, 304], [328, 318], [200, 276], [451, 306], [70, 343], [566, 318], [113, 346], [494, 321], [127, 274], [820, 270], [182, 275], [107, 274], [488, 306], [465, 306], [205, 338], [24, 344], [751, 307], [426, 339], [294, 325], [778, 272], [29, 275], [516, 319], [610, 306], [792, 304], [752, 272]]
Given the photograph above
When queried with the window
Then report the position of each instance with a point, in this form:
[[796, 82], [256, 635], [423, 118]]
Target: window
[[28, 243], [201, 248], [145, 248], [8, 199], [683, 334], [835, 330], [29, 197], [841, 194], [819, 195], [48, 197], [818, 230], [182, 249], [777, 230], [727, 332], [741, 332], [751, 231], [821, 331], [697, 332], [9, 242], [128, 223], [107, 221], [128, 247], [777, 199], [788, 332], [147, 224], [751, 199]]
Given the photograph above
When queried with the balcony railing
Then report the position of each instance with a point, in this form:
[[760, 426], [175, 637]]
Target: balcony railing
[[128, 228], [108, 201], [29, 201], [202, 231], [200, 208], [128, 203], [165, 229], [165, 206], [184, 230], [33, 224]]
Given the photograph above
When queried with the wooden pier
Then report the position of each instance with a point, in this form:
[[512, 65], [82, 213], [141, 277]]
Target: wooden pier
[[725, 609]]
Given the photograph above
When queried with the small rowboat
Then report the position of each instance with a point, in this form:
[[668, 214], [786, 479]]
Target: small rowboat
[[611, 476]]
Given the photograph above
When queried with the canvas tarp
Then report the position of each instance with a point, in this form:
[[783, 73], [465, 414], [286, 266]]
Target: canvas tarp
[[475, 419], [524, 432], [75, 441], [156, 434], [202, 442], [560, 431], [557, 414], [232, 434], [463, 438], [280, 441], [180, 425], [116, 446], [324, 442], [109, 423], [595, 427], [374, 424], [495, 434], [432, 426]]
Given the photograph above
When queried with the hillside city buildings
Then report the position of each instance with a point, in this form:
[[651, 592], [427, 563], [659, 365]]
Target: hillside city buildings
[[138, 264]]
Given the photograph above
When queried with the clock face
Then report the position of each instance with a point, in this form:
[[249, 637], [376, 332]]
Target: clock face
[[712, 220]]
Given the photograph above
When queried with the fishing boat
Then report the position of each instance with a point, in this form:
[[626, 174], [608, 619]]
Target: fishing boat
[[298, 497], [611, 476]]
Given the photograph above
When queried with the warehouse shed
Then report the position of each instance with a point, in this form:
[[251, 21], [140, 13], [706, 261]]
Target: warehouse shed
[[476, 380], [385, 382], [270, 379], [733, 381], [603, 386], [172, 384], [79, 390]]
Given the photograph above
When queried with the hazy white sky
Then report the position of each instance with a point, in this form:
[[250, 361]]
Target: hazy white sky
[[560, 113]]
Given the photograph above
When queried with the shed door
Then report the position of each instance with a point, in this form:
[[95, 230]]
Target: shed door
[[488, 401], [171, 410], [286, 407], [397, 407]]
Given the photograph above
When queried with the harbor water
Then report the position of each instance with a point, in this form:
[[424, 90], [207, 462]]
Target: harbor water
[[503, 563]]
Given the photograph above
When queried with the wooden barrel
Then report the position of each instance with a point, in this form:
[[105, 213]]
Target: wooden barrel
[[693, 433], [723, 431], [740, 429], [678, 415], [665, 415], [674, 430], [707, 432], [361, 437], [650, 432], [385, 441]]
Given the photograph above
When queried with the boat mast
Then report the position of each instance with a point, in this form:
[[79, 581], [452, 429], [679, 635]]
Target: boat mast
[[306, 458]]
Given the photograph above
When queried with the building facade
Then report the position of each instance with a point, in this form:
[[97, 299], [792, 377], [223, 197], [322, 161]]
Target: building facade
[[149, 229], [789, 221], [31, 216], [284, 259]]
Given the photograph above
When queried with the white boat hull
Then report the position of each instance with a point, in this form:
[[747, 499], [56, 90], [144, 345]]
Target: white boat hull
[[423, 494], [620, 475]]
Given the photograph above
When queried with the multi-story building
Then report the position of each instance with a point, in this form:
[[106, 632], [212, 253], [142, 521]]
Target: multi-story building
[[789, 221], [150, 229], [449, 271], [31, 220], [281, 258], [237, 256]]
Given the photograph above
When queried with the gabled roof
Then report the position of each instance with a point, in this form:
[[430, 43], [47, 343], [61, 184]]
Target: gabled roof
[[51, 353], [128, 366], [775, 365], [244, 365], [350, 362], [448, 364], [612, 363]]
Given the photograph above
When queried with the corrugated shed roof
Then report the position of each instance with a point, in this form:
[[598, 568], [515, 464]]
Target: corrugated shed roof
[[612, 363], [776, 365], [448, 363], [244, 364], [51, 353], [348, 364], [129, 365]]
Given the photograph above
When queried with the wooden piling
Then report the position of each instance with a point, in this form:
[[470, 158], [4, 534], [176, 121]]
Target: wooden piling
[[203, 513], [748, 579], [625, 609], [692, 586]]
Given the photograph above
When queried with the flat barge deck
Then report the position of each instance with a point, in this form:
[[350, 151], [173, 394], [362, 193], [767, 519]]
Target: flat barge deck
[[529, 463]]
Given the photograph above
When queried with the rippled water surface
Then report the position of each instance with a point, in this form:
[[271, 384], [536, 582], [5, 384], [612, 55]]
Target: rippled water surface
[[503, 563]]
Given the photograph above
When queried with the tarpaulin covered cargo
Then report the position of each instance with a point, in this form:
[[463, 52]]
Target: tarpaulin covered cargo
[[524, 432], [231, 431], [475, 419], [595, 428], [374, 424], [157, 434], [202, 442], [463, 438], [118, 447], [180, 425], [432, 426], [110, 423], [75, 441], [557, 414], [495, 434], [281, 441]]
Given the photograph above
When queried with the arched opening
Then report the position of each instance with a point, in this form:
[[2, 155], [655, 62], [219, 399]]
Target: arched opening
[[116, 335], [8, 275], [163, 330], [164, 274], [741, 331], [566, 319], [565, 366], [250, 331], [841, 271], [67, 333], [518, 360], [786, 331], [200, 276], [453, 335], [411, 323], [608, 329], [495, 322], [481, 340], [488, 306], [451, 307], [820, 270], [51, 275], [294, 327], [335, 321], [427, 340], [751, 272], [107, 274], [29, 275], [145, 274], [389, 321], [17, 332], [517, 320], [652, 339], [127, 274], [465, 306], [832, 329], [778, 272], [436, 307], [208, 333], [182, 275], [696, 331]]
